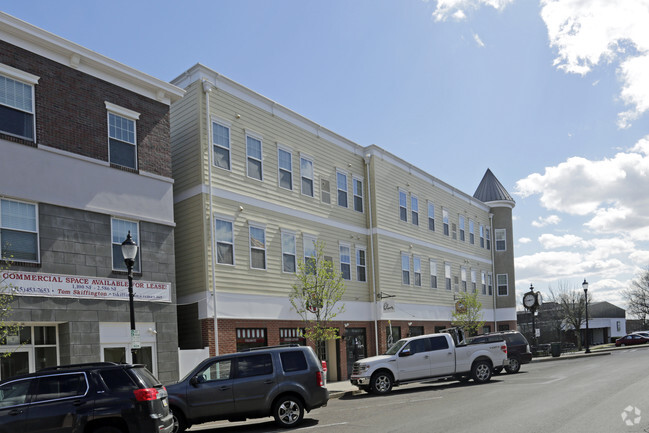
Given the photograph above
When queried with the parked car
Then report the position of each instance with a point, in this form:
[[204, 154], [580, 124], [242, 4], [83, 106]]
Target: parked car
[[282, 382], [631, 339], [641, 333], [428, 356], [90, 398], [518, 349]]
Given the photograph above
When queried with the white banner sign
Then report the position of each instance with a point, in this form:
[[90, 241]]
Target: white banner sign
[[75, 286]]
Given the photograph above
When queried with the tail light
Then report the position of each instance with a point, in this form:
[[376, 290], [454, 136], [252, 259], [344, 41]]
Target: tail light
[[318, 378], [504, 348], [146, 394]]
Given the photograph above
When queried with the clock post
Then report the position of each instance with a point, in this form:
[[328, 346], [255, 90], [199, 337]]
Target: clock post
[[531, 302]]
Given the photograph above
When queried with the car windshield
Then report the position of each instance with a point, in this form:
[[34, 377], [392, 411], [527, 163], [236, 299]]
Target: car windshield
[[395, 347]]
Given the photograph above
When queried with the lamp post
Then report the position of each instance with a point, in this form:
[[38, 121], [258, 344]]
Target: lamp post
[[129, 251], [585, 286]]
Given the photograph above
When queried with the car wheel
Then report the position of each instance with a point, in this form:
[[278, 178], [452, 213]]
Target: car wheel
[[514, 366], [481, 372], [381, 383], [288, 411], [180, 425], [497, 370]]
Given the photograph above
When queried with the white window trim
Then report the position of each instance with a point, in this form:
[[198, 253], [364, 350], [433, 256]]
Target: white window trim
[[357, 249], [250, 247], [413, 197], [346, 190], [216, 241], [448, 275], [225, 124], [134, 116], [474, 280], [496, 231], [138, 257], [402, 191], [409, 269], [290, 152], [483, 282], [17, 74], [428, 205], [305, 239], [285, 232], [312, 178], [497, 285], [471, 231], [340, 258], [258, 137], [38, 234], [416, 258], [446, 224], [121, 111], [362, 196], [461, 228], [432, 266], [463, 281]]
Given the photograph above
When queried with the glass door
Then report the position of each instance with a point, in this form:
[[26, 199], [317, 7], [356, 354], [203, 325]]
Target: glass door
[[123, 355], [19, 362]]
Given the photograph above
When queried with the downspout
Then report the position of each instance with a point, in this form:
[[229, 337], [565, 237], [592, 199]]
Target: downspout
[[368, 159], [493, 269], [207, 88]]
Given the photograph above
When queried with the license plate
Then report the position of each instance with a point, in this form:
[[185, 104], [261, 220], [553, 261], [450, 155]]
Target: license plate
[[165, 403]]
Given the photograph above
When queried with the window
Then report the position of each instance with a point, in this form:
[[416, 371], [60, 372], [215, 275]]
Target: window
[[253, 152], [463, 277], [483, 281], [224, 242], [358, 194], [288, 252], [414, 208], [248, 338], [431, 216], [17, 102], [503, 289], [447, 275], [219, 370], [122, 143], [14, 393], [293, 361], [462, 228], [445, 221], [403, 206], [488, 236], [19, 231], [471, 232], [405, 269], [120, 229], [221, 145], [306, 172], [325, 192], [345, 262], [341, 181], [285, 167], [474, 284], [490, 284], [257, 247], [433, 274], [254, 365], [481, 236], [309, 254], [416, 262], [438, 343], [60, 386], [361, 266], [501, 239]]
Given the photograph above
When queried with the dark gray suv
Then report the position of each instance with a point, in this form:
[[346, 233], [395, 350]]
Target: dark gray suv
[[282, 382]]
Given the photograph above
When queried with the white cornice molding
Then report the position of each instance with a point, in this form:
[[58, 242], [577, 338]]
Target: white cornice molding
[[53, 47]]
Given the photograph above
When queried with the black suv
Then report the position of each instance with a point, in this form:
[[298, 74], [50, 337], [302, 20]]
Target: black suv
[[281, 381], [91, 398], [518, 350]]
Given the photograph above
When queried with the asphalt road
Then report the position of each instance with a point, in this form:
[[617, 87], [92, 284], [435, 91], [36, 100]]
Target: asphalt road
[[579, 395]]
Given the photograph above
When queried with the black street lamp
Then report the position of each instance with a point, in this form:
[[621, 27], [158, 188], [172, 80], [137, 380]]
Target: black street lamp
[[585, 286], [129, 251]]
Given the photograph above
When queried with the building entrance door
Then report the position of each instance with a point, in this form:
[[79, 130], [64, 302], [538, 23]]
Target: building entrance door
[[356, 347]]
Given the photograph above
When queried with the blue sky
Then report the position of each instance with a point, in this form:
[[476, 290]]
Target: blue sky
[[551, 95]]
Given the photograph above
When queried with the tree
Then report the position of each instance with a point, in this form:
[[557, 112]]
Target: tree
[[468, 314], [637, 298], [572, 304], [315, 297]]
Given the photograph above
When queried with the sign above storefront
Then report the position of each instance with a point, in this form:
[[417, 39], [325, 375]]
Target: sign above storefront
[[75, 286]]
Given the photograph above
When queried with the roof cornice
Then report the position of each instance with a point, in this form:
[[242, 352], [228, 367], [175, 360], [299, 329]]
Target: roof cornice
[[60, 50]]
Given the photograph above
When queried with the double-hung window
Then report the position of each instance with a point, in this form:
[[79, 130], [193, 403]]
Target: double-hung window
[[119, 230], [224, 241], [488, 238], [285, 167], [288, 252], [221, 145], [405, 269], [416, 264], [309, 254], [483, 281], [345, 262], [501, 239], [503, 285], [122, 140], [254, 157], [463, 276], [471, 232], [361, 265], [414, 209], [431, 216], [19, 231], [341, 181], [257, 247], [447, 275], [403, 206], [445, 221], [306, 172], [358, 194], [490, 284], [433, 274], [481, 236], [17, 102], [474, 282], [461, 227]]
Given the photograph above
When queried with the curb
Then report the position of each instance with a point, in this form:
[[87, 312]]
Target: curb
[[559, 358]]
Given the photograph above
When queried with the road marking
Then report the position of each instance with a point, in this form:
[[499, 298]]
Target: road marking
[[535, 383], [425, 399]]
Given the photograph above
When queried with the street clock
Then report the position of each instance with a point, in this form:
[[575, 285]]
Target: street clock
[[529, 300]]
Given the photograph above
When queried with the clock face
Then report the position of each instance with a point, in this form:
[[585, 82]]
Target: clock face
[[529, 300]]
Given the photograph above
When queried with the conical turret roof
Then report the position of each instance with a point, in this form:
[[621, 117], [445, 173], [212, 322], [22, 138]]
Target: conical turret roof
[[490, 189]]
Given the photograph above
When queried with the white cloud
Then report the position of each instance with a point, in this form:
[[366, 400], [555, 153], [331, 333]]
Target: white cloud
[[478, 41], [549, 241], [525, 240], [542, 222], [552, 266], [456, 8], [587, 33], [611, 191]]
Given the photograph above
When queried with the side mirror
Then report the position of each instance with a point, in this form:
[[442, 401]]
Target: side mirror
[[194, 381], [405, 352]]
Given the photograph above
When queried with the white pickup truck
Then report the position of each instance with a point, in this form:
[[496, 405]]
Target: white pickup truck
[[428, 356]]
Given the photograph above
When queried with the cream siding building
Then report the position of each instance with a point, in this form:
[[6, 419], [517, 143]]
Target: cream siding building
[[256, 184]]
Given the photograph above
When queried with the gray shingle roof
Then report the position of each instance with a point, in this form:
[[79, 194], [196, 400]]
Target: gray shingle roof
[[490, 189]]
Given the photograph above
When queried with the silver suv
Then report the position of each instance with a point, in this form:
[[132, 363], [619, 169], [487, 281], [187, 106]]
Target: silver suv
[[281, 381]]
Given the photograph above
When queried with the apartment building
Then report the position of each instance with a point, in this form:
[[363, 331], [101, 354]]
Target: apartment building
[[86, 159], [256, 184]]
